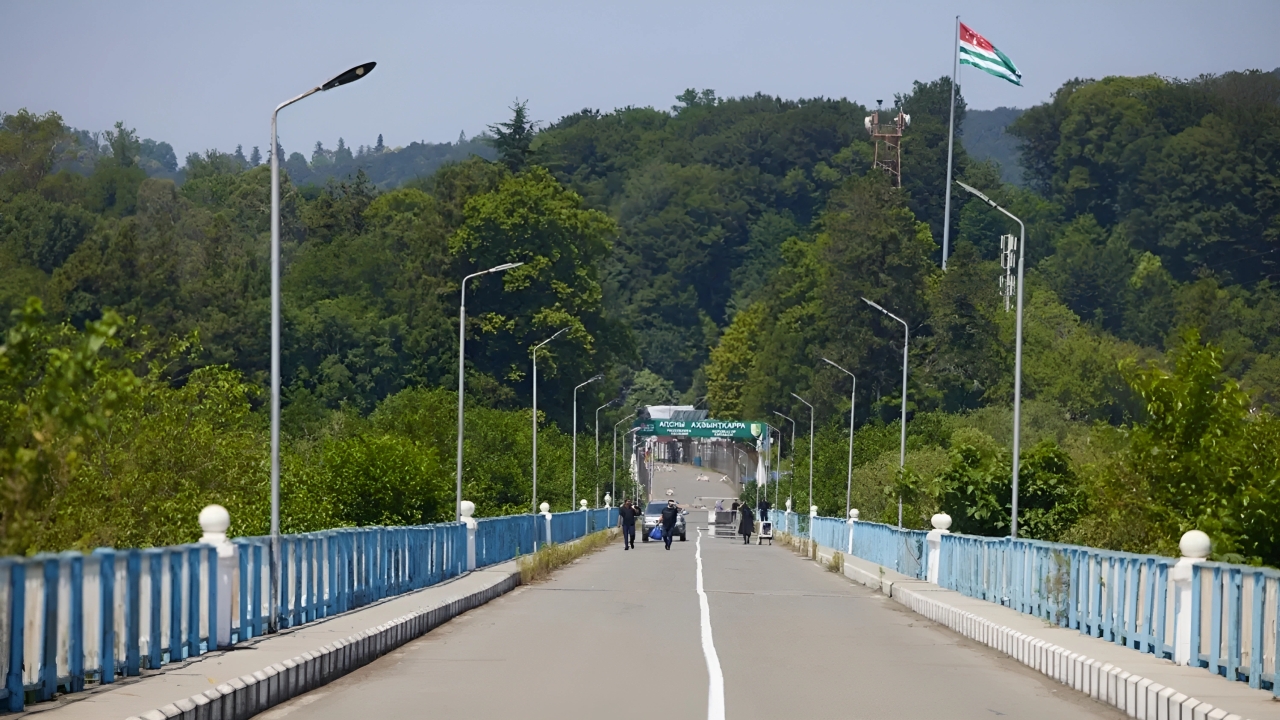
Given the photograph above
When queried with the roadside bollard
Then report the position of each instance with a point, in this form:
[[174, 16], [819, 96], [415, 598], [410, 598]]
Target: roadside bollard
[[586, 517], [215, 520], [468, 509], [853, 518], [546, 513], [941, 523], [1195, 547]]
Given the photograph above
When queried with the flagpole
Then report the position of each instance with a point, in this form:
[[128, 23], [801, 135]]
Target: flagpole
[[951, 137]]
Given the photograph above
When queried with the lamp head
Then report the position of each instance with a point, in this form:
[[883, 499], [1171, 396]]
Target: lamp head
[[875, 306], [349, 76], [977, 193], [505, 266]]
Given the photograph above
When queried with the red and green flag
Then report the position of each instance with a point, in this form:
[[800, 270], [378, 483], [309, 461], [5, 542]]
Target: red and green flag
[[977, 51]]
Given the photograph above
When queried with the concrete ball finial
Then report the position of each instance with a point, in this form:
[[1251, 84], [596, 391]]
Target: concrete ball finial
[[215, 519], [1195, 544], [468, 508], [941, 521], [582, 504], [545, 507], [608, 500], [854, 514]]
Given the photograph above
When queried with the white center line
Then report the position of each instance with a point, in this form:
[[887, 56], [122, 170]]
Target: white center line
[[715, 692]]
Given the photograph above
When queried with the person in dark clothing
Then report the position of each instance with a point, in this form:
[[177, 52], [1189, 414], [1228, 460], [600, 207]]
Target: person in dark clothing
[[669, 515], [764, 510], [746, 523], [735, 506], [627, 518]]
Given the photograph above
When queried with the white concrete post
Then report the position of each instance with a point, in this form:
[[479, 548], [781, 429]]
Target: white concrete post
[[853, 518], [941, 524], [1195, 548], [608, 500], [468, 508], [546, 513], [813, 513], [788, 517], [586, 517], [214, 520]]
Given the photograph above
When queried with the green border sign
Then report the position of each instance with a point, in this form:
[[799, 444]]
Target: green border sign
[[729, 429]]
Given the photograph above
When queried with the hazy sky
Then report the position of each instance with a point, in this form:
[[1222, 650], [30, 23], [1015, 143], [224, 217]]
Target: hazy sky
[[203, 75]]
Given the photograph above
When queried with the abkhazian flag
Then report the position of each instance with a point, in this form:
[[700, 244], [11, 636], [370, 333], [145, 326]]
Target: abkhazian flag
[[977, 51]]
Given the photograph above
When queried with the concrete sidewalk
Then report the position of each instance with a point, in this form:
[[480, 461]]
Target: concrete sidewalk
[[247, 679], [1141, 685]]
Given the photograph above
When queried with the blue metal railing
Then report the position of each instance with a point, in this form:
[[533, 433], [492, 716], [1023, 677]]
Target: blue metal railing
[[1128, 599], [897, 549], [68, 619], [831, 532]]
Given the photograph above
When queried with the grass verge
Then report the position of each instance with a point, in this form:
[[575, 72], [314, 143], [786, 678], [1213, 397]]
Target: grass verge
[[539, 565]]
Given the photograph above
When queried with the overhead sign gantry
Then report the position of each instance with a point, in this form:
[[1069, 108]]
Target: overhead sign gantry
[[725, 429]]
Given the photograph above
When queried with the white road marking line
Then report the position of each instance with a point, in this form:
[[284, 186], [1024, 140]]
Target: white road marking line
[[715, 692]]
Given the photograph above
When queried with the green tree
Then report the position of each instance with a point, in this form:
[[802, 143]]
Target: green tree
[[513, 139]]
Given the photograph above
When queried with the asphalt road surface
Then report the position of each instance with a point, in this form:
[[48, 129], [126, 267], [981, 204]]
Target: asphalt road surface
[[621, 634]]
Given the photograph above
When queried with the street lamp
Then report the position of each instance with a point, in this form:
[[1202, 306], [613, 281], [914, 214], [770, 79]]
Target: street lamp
[[902, 450], [462, 344], [349, 76], [574, 502], [848, 490], [1017, 358], [791, 490], [598, 442], [534, 353], [615, 451], [793, 462]]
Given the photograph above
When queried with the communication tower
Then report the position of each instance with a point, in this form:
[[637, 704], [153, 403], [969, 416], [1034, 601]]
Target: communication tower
[[888, 140]]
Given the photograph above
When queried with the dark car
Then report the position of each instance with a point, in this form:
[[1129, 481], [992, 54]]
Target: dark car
[[653, 518]]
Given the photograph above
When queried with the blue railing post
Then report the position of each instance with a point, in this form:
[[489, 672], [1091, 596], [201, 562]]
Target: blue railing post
[[175, 605], [17, 624], [106, 609], [155, 576], [258, 619], [49, 628], [75, 646], [242, 559], [133, 614], [212, 642], [193, 600]]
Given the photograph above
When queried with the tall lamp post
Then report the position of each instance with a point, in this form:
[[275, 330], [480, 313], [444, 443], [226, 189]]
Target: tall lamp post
[[615, 499], [615, 451], [791, 490], [574, 492], [462, 344], [1017, 357], [848, 489], [349, 76], [534, 353], [906, 340], [793, 467]]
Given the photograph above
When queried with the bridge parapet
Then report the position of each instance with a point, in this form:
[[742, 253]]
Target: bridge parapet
[[70, 620]]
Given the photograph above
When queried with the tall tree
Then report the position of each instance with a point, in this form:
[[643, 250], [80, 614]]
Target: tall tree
[[514, 138]]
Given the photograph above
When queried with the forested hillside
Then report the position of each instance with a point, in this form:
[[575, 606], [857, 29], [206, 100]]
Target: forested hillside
[[718, 248]]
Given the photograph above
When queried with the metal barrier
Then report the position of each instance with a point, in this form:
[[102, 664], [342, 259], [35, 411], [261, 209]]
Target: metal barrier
[[68, 619], [1129, 599], [897, 549]]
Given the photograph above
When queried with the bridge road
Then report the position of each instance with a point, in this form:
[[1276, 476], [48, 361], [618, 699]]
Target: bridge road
[[618, 635]]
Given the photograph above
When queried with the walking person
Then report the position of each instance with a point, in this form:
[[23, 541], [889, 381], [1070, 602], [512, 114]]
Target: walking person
[[627, 519], [764, 509], [670, 514], [746, 523]]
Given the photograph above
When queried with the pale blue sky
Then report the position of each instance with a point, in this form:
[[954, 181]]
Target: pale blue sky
[[208, 74]]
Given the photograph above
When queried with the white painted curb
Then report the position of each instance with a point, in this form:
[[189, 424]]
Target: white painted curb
[[248, 695]]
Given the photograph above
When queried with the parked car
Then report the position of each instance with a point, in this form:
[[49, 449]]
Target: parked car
[[653, 518]]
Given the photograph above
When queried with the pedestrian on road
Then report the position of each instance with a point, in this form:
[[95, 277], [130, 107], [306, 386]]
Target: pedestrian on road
[[627, 518], [764, 510], [669, 515], [735, 506], [746, 524]]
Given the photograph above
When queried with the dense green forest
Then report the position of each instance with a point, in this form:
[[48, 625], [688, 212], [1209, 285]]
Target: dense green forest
[[718, 248]]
